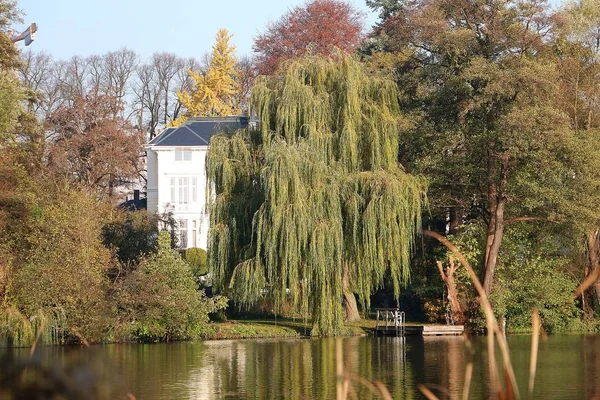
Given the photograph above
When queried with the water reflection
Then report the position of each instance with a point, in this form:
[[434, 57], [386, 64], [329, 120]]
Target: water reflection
[[591, 366], [440, 364], [568, 367], [297, 368]]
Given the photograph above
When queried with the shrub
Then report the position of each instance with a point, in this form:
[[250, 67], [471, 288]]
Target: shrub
[[196, 258], [530, 273], [160, 298]]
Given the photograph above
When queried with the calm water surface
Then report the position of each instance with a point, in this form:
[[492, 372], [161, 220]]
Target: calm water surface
[[568, 367]]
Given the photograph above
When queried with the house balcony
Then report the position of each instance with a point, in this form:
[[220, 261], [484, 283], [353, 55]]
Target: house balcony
[[183, 207], [175, 207]]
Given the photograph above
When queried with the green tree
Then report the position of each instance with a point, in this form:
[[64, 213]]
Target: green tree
[[160, 300], [131, 235], [11, 90], [9, 15], [527, 252], [11, 95], [578, 51], [480, 79], [314, 204], [60, 265], [196, 258]]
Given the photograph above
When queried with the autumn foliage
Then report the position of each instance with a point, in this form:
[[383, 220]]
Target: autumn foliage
[[215, 89], [93, 146], [318, 26]]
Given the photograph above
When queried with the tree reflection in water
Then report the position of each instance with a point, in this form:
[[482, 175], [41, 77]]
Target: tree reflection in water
[[568, 367]]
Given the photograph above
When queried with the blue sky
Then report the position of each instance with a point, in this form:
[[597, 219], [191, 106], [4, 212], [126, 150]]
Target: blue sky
[[184, 27]]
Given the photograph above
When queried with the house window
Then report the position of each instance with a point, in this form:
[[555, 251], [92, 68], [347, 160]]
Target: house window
[[183, 155], [184, 190], [194, 236], [182, 233], [194, 189]]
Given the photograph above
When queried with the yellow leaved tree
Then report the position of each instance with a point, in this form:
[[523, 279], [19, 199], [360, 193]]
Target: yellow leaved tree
[[215, 89]]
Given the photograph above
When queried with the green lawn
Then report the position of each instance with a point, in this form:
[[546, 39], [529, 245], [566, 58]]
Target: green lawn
[[267, 328]]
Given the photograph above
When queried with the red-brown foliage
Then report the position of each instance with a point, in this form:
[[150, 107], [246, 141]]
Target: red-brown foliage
[[94, 146], [319, 25]]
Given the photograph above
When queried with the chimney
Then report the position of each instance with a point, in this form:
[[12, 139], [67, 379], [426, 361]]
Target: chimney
[[136, 195]]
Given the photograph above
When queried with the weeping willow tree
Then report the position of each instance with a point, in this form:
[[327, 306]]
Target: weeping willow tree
[[312, 206]]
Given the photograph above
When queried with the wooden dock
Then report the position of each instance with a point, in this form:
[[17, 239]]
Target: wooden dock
[[391, 322], [434, 330], [422, 330]]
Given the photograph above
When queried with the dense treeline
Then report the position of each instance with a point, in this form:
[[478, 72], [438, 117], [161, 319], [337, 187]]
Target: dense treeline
[[504, 108], [479, 118], [74, 266], [498, 111]]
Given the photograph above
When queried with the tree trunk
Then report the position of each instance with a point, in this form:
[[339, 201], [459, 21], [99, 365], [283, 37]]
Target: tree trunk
[[592, 247], [492, 204], [352, 314], [492, 259], [497, 204], [451, 288]]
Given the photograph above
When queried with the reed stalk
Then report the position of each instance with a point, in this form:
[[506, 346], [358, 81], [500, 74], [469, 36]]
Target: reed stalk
[[535, 318], [493, 329]]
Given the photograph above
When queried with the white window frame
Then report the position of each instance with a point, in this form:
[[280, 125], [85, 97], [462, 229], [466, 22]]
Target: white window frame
[[194, 189], [183, 155], [182, 233], [183, 191]]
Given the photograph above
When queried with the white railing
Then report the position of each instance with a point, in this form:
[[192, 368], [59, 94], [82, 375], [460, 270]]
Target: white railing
[[176, 207], [393, 318]]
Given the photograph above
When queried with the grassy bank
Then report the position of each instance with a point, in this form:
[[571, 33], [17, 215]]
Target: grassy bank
[[271, 328]]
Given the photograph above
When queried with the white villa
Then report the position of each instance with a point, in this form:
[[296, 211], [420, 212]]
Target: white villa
[[177, 176]]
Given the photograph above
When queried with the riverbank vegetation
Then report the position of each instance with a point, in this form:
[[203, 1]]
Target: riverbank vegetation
[[476, 120]]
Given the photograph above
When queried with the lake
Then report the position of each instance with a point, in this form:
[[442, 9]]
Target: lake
[[568, 367]]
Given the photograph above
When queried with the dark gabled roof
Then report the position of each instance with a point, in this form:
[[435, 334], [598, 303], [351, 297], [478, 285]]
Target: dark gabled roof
[[198, 131]]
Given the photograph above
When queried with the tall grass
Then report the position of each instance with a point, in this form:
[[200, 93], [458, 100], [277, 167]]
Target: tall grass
[[509, 390]]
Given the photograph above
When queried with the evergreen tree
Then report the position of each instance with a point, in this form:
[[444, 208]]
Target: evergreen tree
[[314, 207], [215, 90]]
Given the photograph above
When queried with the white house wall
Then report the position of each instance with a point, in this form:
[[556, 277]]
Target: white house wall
[[162, 167], [152, 181]]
